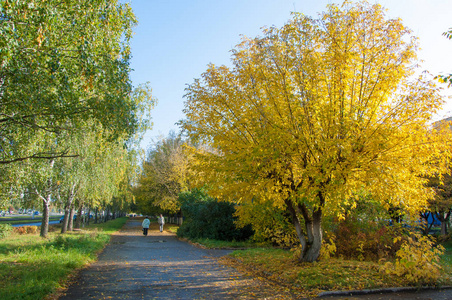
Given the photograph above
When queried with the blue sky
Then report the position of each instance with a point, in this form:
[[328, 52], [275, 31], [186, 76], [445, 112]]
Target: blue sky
[[175, 40]]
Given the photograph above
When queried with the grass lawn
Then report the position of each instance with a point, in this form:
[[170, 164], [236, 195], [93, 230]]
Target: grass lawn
[[216, 244], [447, 257], [309, 279], [32, 267]]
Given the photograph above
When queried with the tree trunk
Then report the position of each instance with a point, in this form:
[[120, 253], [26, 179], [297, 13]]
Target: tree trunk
[[96, 214], [443, 228], [315, 236], [71, 219], [45, 217], [78, 221], [310, 245], [444, 218], [70, 198], [65, 220], [89, 215], [45, 205]]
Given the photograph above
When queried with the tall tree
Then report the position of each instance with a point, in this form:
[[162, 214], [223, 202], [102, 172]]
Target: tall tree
[[316, 111], [163, 175], [76, 173], [40, 179], [106, 167], [61, 63]]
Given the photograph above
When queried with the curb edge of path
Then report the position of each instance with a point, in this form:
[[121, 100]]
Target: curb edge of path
[[381, 291]]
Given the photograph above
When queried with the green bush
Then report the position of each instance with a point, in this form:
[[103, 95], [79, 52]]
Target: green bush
[[205, 217], [5, 230]]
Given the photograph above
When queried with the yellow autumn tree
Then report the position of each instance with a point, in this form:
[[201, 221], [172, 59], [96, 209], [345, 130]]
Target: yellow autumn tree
[[315, 111], [163, 176]]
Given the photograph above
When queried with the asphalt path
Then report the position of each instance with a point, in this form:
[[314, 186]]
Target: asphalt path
[[160, 266]]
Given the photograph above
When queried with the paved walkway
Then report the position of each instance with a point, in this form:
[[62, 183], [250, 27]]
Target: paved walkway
[[160, 266]]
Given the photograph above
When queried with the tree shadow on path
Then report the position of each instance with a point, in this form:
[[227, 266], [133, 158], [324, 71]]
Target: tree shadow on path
[[160, 266]]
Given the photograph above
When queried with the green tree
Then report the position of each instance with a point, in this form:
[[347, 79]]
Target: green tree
[[205, 217], [40, 178], [108, 167], [76, 173], [63, 62], [315, 112]]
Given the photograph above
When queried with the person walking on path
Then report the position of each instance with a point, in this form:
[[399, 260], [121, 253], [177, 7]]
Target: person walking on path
[[165, 268], [161, 222], [145, 225]]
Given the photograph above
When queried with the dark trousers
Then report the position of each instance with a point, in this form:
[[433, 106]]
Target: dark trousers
[[145, 231]]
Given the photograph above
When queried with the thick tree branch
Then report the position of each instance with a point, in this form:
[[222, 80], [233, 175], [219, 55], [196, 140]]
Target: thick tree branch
[[39, 156]]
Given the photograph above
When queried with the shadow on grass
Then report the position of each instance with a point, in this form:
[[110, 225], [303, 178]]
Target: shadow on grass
[[32, 267]]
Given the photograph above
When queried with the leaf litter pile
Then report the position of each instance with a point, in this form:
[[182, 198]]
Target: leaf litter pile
[[291, 278]]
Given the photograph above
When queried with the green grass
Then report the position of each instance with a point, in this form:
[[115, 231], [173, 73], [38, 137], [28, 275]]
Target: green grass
[[447, 257], [309, 279], [32, 267], [216, 244], [169, 227]]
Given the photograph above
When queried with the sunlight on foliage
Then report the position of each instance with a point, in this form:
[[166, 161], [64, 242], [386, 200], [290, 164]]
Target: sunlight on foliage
[[328, 250], [417, 260], [315, 112], [33, 268]]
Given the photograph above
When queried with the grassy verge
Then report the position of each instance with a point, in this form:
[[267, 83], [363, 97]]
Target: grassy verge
[[167, 227], [32, 267], [171, 227], [309, 279], [447, 257], [216, 244]]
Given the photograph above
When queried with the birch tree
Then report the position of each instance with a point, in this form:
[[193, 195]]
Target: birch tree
[[62, 61]]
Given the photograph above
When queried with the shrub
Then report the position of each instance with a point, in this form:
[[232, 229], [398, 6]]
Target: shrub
[[417, 260], [26, 230], [20, 230], [366, 241], [5, 230], [205, 217], [31, 229], [269, 223], [329, 248]]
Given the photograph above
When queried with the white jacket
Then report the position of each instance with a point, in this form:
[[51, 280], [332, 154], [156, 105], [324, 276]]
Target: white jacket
[[146, 223]]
